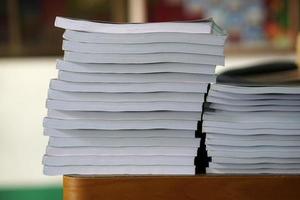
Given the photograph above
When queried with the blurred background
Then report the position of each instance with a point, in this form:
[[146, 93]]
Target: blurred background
[[29, 44]]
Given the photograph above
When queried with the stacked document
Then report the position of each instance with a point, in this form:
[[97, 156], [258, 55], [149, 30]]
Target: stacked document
[[253, 129], [129, 97]]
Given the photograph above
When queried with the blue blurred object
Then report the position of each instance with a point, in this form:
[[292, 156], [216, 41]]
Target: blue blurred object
[[243, 20]]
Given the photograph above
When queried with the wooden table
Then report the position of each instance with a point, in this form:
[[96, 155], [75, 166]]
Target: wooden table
[[206, 187]]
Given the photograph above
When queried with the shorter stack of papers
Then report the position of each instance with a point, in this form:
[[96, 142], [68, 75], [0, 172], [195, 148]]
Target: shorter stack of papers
[[253, 130]]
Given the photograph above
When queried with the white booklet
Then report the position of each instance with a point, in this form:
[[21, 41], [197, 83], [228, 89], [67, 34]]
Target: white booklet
[[290, 108], [252, 171], [234, 160], [253, 125], [257, 152], [247, 149], [271, 116], [143, 58], [141, 48], [135, 68], [235, 96], [123, 106], [62, 114], [120, 170], [121, 151], [146, 38], [206, 26], [253, 142], [284, 166], [128, 87], [126, 97], [117, 160], [124, 142], [252, 102], [217, 136], [256, 90], [119, 133], [257, 131], [136, 78], [119, 124]]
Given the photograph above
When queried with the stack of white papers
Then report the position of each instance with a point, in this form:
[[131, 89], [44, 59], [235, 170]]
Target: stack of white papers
[[128, 98], [253, 130]]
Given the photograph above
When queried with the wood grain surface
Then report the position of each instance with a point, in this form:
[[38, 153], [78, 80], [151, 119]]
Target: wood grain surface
[[204, 187]]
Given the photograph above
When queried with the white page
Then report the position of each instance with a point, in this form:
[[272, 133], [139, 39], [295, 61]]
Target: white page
[[121, 151], [252, 142], [120, 124], [135, 68], [159, 170], [238, 152], [256, 150], [145, 38], [119, 133], [262, 114], [269, 131], [252, 102], [136, 78], [253, 125], [117, 160], [170, 27], [233, 160], [253, 171], [126, 97], [292, 108], [143, 58], [255, 166], [256, 90], [252, 137], [226, 95], [123, 106], [141, 48], [61, 114], [284, 117], [124, 142], [128, 87]]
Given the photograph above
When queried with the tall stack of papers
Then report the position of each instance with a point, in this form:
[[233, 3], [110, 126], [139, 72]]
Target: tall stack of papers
[[129, 97], [254, 129]]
